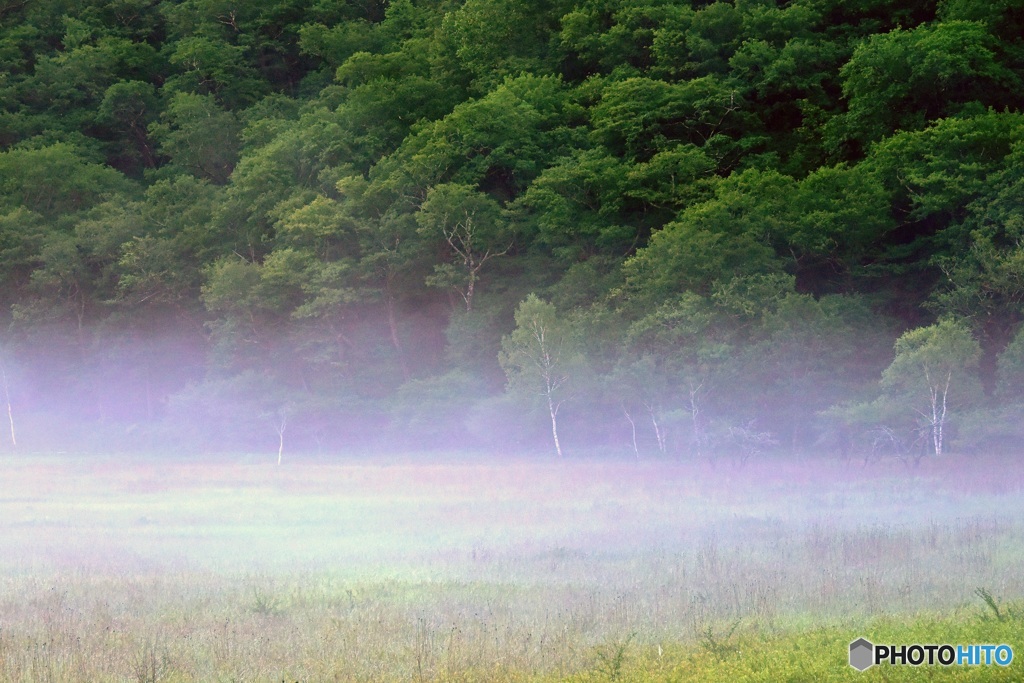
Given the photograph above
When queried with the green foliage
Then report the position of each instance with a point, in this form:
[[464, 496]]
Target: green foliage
[[612, 35], [579, 206], [840, 214], [943, 168], [719, 194], [470, 227], [500, 141], [720, 645], [724, 237], [613, 659], [55, 180], [199, 136], [991, 603], [539, 353], [929, 357], [1010, 385], [904, 79], [497, 38], [983, 275], [638, 117]]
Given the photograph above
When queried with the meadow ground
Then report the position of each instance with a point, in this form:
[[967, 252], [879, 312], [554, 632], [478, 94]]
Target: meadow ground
[[459, 569]]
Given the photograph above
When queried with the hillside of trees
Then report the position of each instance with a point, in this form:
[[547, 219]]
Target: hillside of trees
[[658, 228]]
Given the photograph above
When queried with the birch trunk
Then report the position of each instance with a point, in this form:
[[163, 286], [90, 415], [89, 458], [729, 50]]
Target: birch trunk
[[553, 411], [10, 411], [632, 426]]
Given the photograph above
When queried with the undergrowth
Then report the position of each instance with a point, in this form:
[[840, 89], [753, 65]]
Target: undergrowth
[[821, 654]]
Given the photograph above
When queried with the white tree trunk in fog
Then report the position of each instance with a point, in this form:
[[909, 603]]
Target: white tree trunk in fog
[[938, 416], [632, 426], [659, 434], [7, 396], [547, 363], [553, 410], [537, 357], [281, 425], [698, 432], [945, 355]]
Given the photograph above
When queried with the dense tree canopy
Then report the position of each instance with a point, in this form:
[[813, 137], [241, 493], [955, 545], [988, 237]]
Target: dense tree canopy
[[756, 223]]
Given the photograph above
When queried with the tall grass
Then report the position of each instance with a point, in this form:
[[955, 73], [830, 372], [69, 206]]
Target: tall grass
[[115, 571]]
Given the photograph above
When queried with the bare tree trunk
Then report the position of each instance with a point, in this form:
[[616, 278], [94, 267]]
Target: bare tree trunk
[[461, 238], [632, 425], [280, 437], [698, 436], [553, 411], [940, 416], [470, 288], [7, 396], [658, 434], [552, 378]]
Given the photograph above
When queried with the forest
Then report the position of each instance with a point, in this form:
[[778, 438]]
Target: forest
[[642, 227]]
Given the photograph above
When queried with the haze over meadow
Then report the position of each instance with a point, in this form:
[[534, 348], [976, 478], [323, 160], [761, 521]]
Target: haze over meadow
[[502, 340]]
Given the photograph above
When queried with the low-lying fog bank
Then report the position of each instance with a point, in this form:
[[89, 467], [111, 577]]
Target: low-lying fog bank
[[254, 571]]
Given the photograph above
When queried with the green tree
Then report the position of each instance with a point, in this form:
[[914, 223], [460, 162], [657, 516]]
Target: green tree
[[130, 106], [907, 78], [729, 235], [579, 208], [500, 142], [497, 38], [474, 230], [199, 136], [982, 263], [21, 235], [56, 180], [216, 68], [170, 241], [935, 173], [617, 35], [384, 95], [539, 356], [935, 368], [840, 217], [638, 117], [676, 360], [1010, 387]]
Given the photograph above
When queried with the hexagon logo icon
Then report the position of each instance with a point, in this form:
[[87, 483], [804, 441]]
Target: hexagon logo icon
[[862, 654]]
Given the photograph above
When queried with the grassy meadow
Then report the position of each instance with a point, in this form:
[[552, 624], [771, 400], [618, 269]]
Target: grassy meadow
[[432, 569]]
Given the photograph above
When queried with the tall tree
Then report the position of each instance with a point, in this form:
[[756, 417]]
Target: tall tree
[[473, 230], [539, 356], [935, 368]]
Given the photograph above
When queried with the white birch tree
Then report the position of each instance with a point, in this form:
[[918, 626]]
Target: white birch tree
[[935, 370], [538, 357]]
